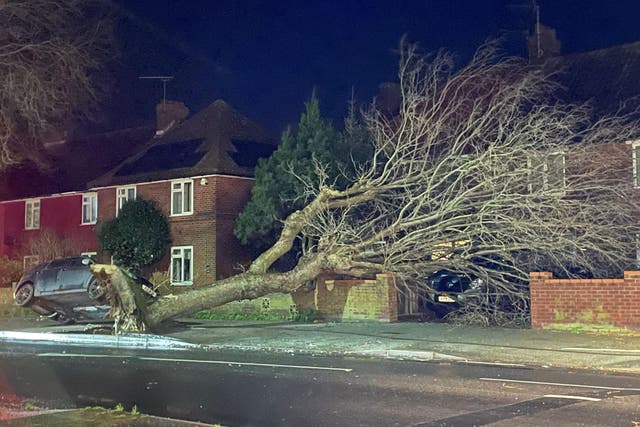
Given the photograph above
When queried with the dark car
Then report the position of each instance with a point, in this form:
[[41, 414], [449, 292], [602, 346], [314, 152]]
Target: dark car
[[65, 290], [448, 289]]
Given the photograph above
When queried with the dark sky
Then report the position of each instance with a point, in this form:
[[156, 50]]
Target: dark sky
[[265, 57]]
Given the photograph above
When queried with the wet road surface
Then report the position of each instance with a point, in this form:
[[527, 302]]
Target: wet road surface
[[241, 388]]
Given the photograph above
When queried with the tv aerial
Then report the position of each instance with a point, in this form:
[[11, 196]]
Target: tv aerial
[[164, 80]]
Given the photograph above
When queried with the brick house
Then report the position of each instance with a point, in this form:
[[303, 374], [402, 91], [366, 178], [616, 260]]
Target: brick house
[[198, 168], [200, 173]]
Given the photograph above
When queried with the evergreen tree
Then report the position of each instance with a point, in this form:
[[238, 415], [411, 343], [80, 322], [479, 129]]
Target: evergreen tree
[[138, 236], [282, 180]]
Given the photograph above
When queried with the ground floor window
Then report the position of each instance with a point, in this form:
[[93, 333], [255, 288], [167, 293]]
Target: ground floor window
[[30, 261], [182, 265]]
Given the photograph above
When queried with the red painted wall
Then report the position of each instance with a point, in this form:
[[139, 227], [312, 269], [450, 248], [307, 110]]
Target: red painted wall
[[60, 214]]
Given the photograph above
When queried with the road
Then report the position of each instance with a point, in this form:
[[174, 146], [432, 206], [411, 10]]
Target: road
[[239, 389]]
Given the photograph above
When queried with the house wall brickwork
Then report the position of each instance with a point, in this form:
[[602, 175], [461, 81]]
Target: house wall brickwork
[[587, 301], [231, 195]]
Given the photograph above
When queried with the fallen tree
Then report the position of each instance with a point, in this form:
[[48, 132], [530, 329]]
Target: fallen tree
[[480, 163]]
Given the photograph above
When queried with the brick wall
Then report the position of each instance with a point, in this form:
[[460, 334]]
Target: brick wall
[[358, 299], [587, 301], [332, 299]]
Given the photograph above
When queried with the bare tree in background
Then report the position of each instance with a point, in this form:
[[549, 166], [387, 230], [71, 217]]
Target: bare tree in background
[[48, 245], [480, 164], [49, 52]]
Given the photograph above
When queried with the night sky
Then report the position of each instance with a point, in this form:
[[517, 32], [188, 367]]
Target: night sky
[[265, 57]]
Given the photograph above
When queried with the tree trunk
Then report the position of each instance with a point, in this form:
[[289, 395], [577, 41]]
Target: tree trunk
[[131, 313]]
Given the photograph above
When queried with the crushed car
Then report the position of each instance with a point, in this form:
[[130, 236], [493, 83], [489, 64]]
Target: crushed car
[[66, 291]]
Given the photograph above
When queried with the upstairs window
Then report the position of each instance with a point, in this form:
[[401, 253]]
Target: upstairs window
[[547, 172], [182, 197], [32, 214], [123, 195], [89, 208]]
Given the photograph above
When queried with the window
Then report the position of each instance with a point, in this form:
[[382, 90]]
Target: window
[[636, 163], [182, 197], [89, 208], [182, 265], [91, 255], [123, 195], [32, 214], [547, 172], [30, 261]]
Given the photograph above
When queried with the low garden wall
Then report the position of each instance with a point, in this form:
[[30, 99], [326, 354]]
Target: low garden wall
[[328, 300], [585, 301]]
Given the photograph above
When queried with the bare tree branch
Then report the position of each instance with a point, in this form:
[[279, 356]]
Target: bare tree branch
[[482, 172], [49, 51]]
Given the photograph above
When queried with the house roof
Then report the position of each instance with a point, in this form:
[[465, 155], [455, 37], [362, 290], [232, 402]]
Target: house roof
[[216, 140], [68, 165], [606, 78]]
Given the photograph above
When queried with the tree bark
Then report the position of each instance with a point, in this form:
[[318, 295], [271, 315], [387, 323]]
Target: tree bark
[[131, 313]]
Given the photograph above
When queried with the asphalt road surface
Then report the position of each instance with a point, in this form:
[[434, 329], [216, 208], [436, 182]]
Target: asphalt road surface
[[241, 389]]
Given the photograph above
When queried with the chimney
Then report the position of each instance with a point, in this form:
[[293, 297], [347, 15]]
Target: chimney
[[169, 114]]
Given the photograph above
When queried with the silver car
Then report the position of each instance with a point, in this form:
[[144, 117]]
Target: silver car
[[62, 289], [65, 290]]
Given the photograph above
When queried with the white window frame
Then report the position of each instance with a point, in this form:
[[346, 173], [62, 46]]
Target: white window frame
[[635, 146], [545, 171], [181, 183], [86, 201], [182, 249], [125, 189], [34, 205], [30, 261], [564, 169], [89, 254]]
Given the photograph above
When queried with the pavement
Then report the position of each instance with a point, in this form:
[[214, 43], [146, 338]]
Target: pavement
[[403, 340], [421, 341]]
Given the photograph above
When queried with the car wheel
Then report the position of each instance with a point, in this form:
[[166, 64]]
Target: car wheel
[[94, 290], [63, 319], [24, 294]]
